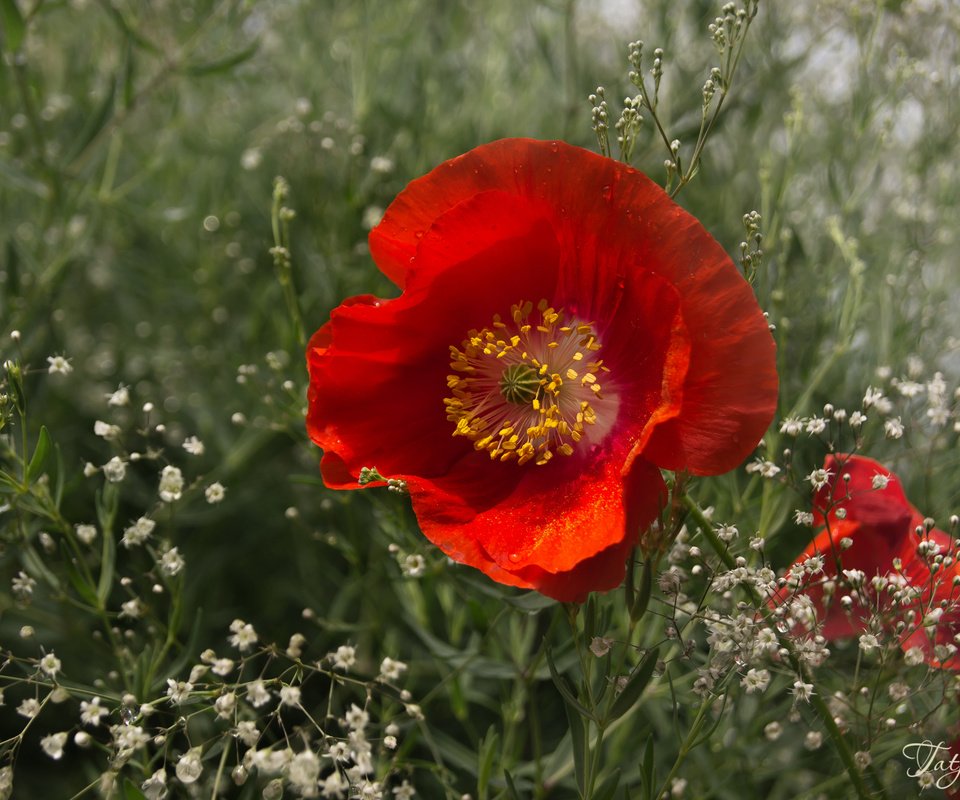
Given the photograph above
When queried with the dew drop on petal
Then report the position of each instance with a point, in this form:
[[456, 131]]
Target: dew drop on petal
[[127, 715]]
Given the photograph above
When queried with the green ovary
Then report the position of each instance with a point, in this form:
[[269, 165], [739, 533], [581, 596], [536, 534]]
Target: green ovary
[[519, 384]]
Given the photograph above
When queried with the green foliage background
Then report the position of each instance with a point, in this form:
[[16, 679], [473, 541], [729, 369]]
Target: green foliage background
[[126, 127]]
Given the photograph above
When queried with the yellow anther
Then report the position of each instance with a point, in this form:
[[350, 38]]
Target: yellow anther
[[513, 388]]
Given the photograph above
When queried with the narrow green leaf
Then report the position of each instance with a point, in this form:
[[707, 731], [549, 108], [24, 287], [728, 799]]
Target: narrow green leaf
[[578, 738], [635, 686], [590, 618], [511, 786], [14, 28], [95, 123], [133, 35], [19, 179], [563, 686], [86, 592], [646, 773], [58, 476], [608, 786], [223, 64], [108, 557], [40, 453], [489, 746], [642, 599], [131, 792], [8, 483], [186, 656], [35, 565]]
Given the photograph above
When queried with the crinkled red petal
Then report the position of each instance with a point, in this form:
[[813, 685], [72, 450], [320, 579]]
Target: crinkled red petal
[[563, 537], [611, 221], [378, 368]]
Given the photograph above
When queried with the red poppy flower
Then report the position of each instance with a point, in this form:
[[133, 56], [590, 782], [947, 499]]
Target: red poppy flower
[[563, 331], [863, 503]]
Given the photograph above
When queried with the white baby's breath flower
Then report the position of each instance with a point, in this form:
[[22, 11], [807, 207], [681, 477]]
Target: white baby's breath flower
[[171, 562], [727, 533], [813, 740], [22, 585], [115, 470], [756, 680], [258, 694], [215, 492], [86, 533], [29, 708], [58, 365], [225, 705], [880, 481], [138, 532], [356, 718], [893, 428], [132, 608], [243, 635], [171, 484], [193, 446], [178, 691], [868, 642], [247, 732], [390, 669], [222, 666], [344, 657], [90, 712], [819, 477], [120, 397], [105, 430], [54, 743], [802, 691], [413, 565], [50, 664], [304, 772], [290, 696], [766, 469]]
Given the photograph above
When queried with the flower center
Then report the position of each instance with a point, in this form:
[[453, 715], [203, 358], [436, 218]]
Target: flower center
[[526, 389]]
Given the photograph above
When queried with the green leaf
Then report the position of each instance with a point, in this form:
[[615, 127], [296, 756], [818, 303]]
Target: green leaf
[[642, 599], [58, 477], [608, 786], [487, 751], [635, 686], [578, 738], [40, 453], [86, 592], [511, 786], [186, 656], [8, 483], [566, 691], [35, 565], [95, 122], [134, 36], [108, 557], [19, 179], [646, 773], [131, 792], [14, 28], [223, 64]]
